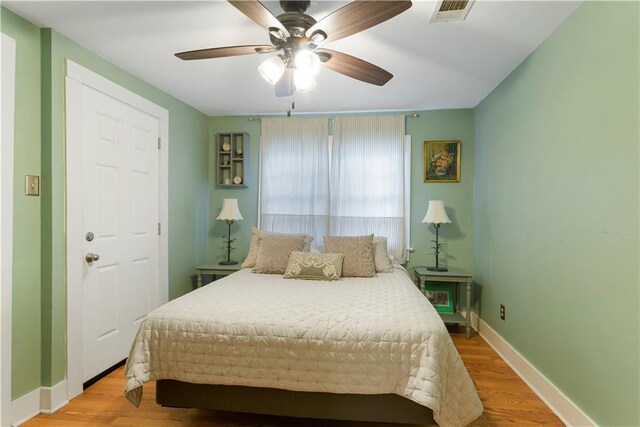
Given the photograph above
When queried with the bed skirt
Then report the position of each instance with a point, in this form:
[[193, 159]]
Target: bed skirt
[[385, 408]]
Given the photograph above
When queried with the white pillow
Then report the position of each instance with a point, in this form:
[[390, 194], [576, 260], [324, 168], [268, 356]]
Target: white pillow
[[381, 257]]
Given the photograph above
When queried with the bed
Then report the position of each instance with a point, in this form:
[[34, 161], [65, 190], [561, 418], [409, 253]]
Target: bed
[[290, 344]]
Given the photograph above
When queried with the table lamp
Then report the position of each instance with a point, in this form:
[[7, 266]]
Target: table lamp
[[229, 213], [436, 215]]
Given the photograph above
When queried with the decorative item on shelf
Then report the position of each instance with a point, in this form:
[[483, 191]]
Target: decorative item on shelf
[[226, 146], [237, 180], [229, 213], [239, 152], [436, 215]]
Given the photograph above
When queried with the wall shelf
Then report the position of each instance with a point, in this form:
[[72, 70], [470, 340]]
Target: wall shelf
[[232, 150]]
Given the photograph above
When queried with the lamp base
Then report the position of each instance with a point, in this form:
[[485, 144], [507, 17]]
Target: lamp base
[[432, 268], [228, 262]]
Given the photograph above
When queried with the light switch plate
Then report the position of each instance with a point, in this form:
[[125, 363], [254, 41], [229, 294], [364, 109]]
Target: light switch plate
[[32, 185]]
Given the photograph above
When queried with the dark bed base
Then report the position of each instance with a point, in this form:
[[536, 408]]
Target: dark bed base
[[386, 408]]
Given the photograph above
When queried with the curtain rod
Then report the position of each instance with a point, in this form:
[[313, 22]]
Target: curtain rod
[[408, 116]]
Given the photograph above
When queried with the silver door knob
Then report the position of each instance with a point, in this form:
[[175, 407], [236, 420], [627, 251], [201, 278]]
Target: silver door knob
[[91, 257]]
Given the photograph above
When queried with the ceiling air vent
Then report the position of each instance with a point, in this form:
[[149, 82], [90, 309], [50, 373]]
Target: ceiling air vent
[[451, 10]]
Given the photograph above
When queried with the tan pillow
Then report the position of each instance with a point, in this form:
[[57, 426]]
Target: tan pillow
[[381, 255], [250, 260], [273, 253], [305, 265], [358, 254]]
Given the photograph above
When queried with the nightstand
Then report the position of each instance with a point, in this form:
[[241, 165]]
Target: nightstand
[[215, 270], [456, 276]]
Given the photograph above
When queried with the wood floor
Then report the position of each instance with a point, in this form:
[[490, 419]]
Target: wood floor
[[506, 399]]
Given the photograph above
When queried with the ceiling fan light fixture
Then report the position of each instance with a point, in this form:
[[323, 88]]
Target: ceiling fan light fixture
[[307, 62], [271, 70], [304, 82]]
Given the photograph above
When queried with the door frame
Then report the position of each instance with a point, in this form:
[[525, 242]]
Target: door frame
[[78, 76], [7, 88]]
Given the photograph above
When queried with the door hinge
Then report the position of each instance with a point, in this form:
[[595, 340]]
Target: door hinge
[[159, 142], [159, 229]]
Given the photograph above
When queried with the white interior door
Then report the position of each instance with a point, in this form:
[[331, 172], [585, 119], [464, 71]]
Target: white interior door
[[120, 189]]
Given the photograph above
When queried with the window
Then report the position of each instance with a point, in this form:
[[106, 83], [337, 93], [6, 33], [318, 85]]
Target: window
[[354, 183], [294, 176]]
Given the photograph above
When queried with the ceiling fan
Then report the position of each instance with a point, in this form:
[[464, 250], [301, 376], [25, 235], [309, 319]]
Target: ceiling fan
[[299, 37]]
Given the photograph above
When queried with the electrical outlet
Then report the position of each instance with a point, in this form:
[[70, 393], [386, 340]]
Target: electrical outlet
[[502, 314]]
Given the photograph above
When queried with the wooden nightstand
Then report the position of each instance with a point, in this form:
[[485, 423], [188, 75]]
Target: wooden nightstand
[[215, 270], [456, 276]]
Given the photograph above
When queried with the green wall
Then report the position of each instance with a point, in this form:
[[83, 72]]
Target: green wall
[[458, 197], [26, 346], [556, 209], [546, 213], [247, 197], [430, 125], [39, 305]]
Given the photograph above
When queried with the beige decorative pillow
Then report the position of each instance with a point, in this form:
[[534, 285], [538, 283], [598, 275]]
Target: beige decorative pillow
[[250, 260], [381, 255], [273, 253], [305, 265], [358, 254]]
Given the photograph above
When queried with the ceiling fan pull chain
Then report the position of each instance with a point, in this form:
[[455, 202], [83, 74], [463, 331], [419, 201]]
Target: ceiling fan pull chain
[[293, 106]]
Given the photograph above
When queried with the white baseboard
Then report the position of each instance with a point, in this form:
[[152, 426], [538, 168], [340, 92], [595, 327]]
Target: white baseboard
[[53, 398], [25, 407], [45, 400], [568, 412]]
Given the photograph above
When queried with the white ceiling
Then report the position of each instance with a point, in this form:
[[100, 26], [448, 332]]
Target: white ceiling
[[435, 65]]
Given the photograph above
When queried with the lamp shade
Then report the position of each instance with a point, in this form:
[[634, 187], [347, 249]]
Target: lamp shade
[[304, 81], [272, 69], [230, 211], [436, 213], [307, 62]]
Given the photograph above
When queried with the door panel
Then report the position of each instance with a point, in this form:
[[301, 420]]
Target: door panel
[[120, 206], [140, 203], [107, 201], [107, 301], [140, 289]]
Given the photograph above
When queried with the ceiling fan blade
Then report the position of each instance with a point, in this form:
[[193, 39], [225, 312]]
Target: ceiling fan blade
[[357, 16], [285, 86], [259, 14], [354, 67], [221, 52]]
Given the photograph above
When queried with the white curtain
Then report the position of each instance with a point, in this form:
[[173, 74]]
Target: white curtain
[[294, 176], [368, 179]]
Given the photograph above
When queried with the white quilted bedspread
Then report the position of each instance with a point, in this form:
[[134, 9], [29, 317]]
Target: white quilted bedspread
[[366, 336]]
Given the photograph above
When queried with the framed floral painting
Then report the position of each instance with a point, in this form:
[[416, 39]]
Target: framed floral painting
[[442, 161]]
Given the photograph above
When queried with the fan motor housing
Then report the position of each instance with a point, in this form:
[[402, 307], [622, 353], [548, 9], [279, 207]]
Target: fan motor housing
[[299, 6], [296, 23]]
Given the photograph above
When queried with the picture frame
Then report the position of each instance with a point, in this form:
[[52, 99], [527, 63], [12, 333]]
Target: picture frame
[[441, 296], [441, 161]]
